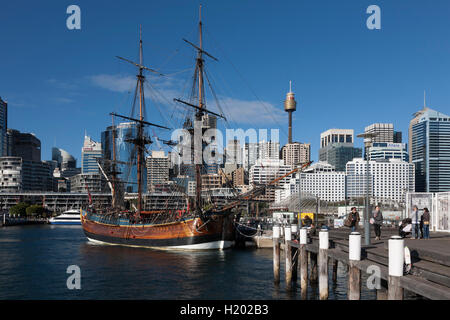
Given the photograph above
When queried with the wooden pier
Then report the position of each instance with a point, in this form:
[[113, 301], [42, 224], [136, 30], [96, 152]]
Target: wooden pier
[[429, 276]]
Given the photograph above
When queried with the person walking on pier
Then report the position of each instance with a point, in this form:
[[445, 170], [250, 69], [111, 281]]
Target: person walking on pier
[[415, 220], [377, 221], [426, 223]]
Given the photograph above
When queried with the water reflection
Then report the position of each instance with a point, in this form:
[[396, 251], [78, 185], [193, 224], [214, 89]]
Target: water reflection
[[34, 260]]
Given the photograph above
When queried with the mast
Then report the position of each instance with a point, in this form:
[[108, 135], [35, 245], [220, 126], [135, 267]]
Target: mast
[[198, 116], [114, 175], [140, 145], [200, 111], [140, 141]]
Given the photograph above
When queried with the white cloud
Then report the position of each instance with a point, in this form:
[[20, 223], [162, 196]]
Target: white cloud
[[251, 111], [113, 82], [164, 90]]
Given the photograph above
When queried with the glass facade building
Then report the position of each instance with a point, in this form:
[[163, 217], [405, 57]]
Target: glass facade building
[[3, 127], [385, 151], [339, 154], [126, 153], [430, 150], [90, 152], [336, 148], [24, 145]]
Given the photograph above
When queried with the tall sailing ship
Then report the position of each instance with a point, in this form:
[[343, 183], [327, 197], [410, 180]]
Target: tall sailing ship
[[200, 224]]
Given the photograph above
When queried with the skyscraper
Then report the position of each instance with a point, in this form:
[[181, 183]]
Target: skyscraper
[[125, 152], [3, 127], [24, 145], [66, 163], [157, 168], [430, 150], [268, 150], [90, 151], [384, 134], [233, 152], [336, 148], [296, 153]]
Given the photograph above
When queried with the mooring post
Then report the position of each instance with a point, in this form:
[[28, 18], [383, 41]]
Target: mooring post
[[382, 291], [303, 263], [276, 254], [396, 261], [288, 254], [313, 262], [335, 267], [354, 274], [323, 264], [294, 254]]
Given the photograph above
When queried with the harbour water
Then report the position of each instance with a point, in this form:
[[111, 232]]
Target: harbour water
[[34, 260]]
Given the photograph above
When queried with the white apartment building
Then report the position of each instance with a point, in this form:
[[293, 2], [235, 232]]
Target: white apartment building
[[388, 179], [319, 180], [265, 171]]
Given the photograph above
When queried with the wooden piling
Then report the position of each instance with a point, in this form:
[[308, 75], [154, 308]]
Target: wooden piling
[[382, 293], [354, 281], [396, 261], [276, 255], [288, 255], [323, 265], [313, 263], [334, 262], [354, 273], [303, 256], [395, 291], [294, 264]]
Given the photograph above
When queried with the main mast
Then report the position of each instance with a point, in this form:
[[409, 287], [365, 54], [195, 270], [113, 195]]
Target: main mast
[[198, 117], [140, 140], [200, 111]]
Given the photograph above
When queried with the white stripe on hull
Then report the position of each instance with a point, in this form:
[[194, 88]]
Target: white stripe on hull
[[222, 244]]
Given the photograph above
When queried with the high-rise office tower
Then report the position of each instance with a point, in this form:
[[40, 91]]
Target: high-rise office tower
[[65, 162], [233, 152], [90, 152], [124, 149], [430, 150], [24, 145], [157, 168], [384, 132], [3, 127], [336, 148], [268, 150]]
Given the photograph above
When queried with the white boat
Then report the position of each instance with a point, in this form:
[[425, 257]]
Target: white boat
[[69, 217]]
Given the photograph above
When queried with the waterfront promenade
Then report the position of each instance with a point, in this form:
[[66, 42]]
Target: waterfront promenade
[[429, 276]]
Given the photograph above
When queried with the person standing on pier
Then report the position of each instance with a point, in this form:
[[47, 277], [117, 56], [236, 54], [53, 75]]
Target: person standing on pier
[[377, 221], [415, 220], [354, 218], [426, 223]]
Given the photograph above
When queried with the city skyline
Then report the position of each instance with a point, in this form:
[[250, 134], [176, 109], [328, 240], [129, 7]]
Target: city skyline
[[381, 79]]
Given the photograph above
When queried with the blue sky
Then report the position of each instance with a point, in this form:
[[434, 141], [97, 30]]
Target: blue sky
[[60, 83]]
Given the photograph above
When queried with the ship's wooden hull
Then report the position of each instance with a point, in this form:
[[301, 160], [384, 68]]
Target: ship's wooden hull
[[192, 234]]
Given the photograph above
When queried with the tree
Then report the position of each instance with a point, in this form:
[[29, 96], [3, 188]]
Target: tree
[[35, 210], [19, 209]]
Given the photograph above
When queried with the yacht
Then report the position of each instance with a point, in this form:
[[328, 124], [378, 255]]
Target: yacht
[[67, 217]]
